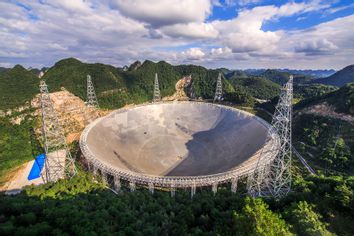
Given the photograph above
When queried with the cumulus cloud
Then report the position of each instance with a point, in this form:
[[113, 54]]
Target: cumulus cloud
[[81, 32], [220, 51], [245, 33], [316, 47], [165, 12], [72, 5], [38, 33], [191, 30], [193, 54]]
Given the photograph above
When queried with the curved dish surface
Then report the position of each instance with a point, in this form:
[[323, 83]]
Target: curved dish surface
[[178, 142]]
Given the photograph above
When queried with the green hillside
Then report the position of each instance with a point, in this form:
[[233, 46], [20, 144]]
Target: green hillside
[[340, 78], [17, 86], [236, 73], [115, 87], [71, 74], [3, 69], [18, 144], [326, 141], [281, 78], [305, 91], [204, 80], [257, 87], [223, 70], [342, 99]]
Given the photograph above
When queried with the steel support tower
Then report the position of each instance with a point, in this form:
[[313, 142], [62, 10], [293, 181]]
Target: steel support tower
[[91, 94], [218, 91], [58, 163], [273, 179], [157, 96]]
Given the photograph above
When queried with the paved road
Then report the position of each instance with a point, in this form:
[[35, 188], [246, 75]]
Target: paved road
[[20, 180]]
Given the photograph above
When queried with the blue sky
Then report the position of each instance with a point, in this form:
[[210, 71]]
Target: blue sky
[[214, 33]]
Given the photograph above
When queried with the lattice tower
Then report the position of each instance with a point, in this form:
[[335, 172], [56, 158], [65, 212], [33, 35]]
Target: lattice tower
[[59, 163], [157, 96], [218, 91], [91, 94], [274, 178]]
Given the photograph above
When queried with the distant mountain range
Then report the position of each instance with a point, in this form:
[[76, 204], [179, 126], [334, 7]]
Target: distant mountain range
[[312, 73], [280, 76]]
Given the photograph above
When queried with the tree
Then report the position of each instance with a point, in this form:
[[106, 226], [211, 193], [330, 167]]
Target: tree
[[239, 96], [345, 196], [336, 154], [257, 219], [305, 220]]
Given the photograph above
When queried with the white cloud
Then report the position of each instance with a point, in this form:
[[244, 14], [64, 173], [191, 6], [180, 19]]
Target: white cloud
[[337, 9], [316, 47], [191, 30], [165, 12], [76, 6], [220, 51], [240, 2], [43, 32], [193, 54], [327, 45], [58, 33], [245, 33]]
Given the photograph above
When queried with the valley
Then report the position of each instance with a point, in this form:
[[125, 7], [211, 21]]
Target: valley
[[322, 131]]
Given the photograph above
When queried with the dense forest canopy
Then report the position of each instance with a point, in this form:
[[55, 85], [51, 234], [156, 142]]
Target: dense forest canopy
[[342, 99], [17, 86], [281, 77], [304, 91], [257, 87], [80, 206], [116, 87]]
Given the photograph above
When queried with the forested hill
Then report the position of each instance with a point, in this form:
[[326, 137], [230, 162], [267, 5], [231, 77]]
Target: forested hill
[[17, 86], [256, 86], [323, 131], [342, 100], [116, 87], [71, 74], [340, 78], [281, 77], [3, 70], [310, 73]]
